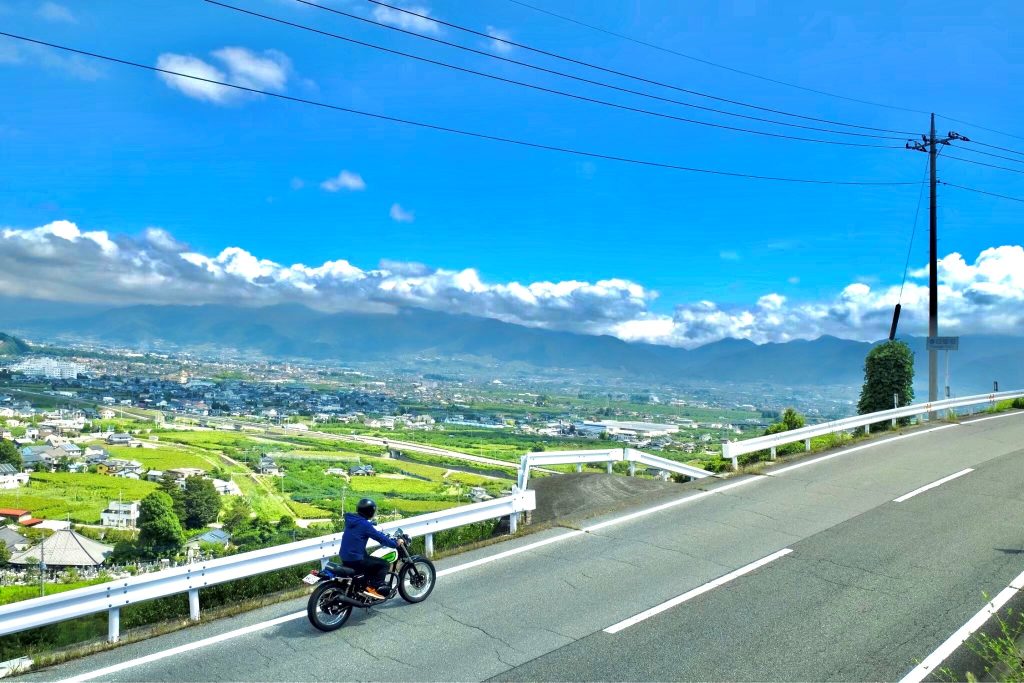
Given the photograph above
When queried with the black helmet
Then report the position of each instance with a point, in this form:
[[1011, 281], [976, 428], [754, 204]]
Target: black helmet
[[366, 508]]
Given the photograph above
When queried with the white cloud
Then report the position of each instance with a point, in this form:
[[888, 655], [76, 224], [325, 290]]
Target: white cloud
[[793, 280], [51, 11], [75, 66], [401, 215], [53, 261], [499, 45], [346, 180], [409, 22], [241, 66], [728, 255], [297, 183]]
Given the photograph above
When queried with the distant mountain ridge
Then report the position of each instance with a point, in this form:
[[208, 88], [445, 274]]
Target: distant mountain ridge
[[293, 331]]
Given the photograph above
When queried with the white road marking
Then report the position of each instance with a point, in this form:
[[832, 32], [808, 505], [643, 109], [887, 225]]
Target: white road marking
[[847, 451], [156, 656], [932, 661], [940, 482], [700, 590], [492, 558], [993, 417]]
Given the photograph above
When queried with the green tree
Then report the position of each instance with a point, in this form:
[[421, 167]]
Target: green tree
[[237, 515], [5, 553], [888, 370], [160, 531], [9, 454], [202, 502], [169, 485]]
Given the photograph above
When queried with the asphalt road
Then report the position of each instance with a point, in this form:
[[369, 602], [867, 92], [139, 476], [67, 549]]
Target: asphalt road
[[869, 587]]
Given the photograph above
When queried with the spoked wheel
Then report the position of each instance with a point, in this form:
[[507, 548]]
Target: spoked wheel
[[416, 580], [324, 609]]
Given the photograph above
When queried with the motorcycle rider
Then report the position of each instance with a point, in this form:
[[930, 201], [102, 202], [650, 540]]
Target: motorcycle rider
[[358, 530]]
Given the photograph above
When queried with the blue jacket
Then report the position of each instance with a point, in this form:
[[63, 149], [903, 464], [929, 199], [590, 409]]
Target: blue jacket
[[358, 530]]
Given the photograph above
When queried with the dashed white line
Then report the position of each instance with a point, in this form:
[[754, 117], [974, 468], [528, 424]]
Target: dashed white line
[[932, 661], [700, 590], [926, 487]]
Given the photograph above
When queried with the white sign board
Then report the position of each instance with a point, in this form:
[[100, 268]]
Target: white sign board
[[943, 343]]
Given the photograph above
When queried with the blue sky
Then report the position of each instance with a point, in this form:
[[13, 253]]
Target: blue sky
[[114, 149]]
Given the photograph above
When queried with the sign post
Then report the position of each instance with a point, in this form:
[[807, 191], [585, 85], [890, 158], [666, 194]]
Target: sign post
[[946, 344]]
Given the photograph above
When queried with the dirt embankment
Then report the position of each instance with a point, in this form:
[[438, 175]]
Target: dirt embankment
[[568, 498]]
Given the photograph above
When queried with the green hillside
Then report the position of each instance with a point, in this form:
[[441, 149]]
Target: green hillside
[[12, 346]]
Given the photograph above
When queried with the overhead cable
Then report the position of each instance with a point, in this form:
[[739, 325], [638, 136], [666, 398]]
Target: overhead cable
[[553, 91], [590, 81], [714, 64], [991, 194], [457, 131], [624, 74], [982, 163]]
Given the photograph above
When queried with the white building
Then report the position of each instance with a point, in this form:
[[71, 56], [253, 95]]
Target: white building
[[643, 430], [121, 515], [50, 368]]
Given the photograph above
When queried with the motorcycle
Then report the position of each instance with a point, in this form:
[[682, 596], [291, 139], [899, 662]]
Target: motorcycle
[[339, 588]]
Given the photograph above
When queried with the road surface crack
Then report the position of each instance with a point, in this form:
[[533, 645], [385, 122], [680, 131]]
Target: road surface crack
[[484, 631]]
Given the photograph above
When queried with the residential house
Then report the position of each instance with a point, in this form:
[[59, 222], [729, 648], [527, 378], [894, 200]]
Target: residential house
[[95, 454], [54, 441], [268, 466], [121, 515], [64, 548], [15, 515], [117, 467], [155, 475], [14, 541], [10, 477], [183, 473], [217, 536], [6, 435], [119, 439], [107, 414], [226, 488], [32, 433], [70, 450]]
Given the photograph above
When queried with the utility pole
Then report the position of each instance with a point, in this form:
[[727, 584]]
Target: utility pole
[[930, 144]]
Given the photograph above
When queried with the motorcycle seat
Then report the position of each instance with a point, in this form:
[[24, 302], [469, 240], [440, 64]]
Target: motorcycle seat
[[339, 569]]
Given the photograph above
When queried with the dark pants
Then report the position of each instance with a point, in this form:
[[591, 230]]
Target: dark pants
[[373, 567]]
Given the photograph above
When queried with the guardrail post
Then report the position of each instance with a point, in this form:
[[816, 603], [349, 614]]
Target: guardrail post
[[773, 453], [513, 523], [609, 467], [726, 453], [579, 467], [807, 445], [113, 624], [632, 468], [428, 545], [193, 604]]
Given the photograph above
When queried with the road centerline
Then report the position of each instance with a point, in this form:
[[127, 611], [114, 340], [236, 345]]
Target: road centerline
[[700, 590], [934, 484]]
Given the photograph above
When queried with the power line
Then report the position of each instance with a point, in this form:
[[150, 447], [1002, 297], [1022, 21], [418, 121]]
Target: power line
[[1001, 149], [624, 74], [982, 163], [589, 80], [457, 131], [714, 64], [913, 231], [971, 150], [974, 125], [991, 194], [553, 91]]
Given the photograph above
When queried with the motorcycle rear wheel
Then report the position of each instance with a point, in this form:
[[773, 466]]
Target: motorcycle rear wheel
[[324, 611], [416, 580]]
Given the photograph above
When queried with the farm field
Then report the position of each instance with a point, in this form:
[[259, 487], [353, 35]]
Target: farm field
[[164, 458], [56, 495]]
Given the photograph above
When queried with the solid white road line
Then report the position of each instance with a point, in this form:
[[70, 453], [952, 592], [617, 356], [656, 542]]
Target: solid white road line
[[847, 451], [932, 485], [156, 656], [700, 590], [499, 556], [932, 661], [994, 417]]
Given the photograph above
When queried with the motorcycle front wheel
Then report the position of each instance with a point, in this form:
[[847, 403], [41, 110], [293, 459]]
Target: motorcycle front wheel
[[324, 610], [416, 579]]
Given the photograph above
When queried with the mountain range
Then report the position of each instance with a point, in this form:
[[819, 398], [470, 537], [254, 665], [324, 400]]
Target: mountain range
[[293, 331]]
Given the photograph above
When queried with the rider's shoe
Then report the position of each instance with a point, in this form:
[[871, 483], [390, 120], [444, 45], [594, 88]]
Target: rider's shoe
[[372, 593]]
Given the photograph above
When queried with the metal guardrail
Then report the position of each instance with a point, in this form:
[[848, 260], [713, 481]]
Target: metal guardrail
[[607, 455], [731, 450], [112, 596]]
